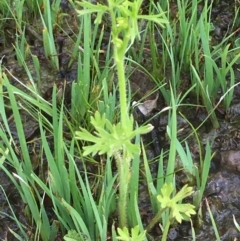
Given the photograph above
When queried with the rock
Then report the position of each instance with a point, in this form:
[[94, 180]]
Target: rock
[[230, 160]]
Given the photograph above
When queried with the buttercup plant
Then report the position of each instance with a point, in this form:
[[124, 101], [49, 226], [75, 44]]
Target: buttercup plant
[[178, 210], [116, 139], [136, 235]]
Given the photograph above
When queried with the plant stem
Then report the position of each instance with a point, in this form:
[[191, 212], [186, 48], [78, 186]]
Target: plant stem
[[155, 219], [123, 170], [165, 231], [122, 91], [122, 159]]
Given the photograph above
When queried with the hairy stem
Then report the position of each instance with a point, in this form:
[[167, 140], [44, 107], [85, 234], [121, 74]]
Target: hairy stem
[[155, 219], [123, 161], [122, 91], [123, 171]]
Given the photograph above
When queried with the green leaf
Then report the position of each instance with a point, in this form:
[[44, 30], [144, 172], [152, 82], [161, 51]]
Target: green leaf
[[154, 18], [124, 234], [136, 235], [165, 199], [184, 192], [109, 138], [85, 135], [236, 223], [181, 210], [178, 211], [72, 235], [91, 8]]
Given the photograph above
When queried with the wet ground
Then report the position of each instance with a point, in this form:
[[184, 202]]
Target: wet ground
[[223, 188]]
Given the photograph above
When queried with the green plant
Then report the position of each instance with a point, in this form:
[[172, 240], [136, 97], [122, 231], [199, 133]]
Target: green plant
[[22, 170], [48, 38], [115, 140], [72, 235], [86, 196], [194, 173], [22, 227], [28, 99], [178, 211], [236, 223], [166, 180], [212, 221], [178, 50], [34, 189], [193, 50], [135, 235]]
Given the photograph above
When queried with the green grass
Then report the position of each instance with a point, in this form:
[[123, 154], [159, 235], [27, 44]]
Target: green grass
[[96, 197]]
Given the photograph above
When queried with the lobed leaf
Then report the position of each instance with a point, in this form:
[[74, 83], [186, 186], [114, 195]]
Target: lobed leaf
[[178, 211]]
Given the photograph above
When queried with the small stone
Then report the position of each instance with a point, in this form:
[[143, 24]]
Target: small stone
[[230, 160]]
